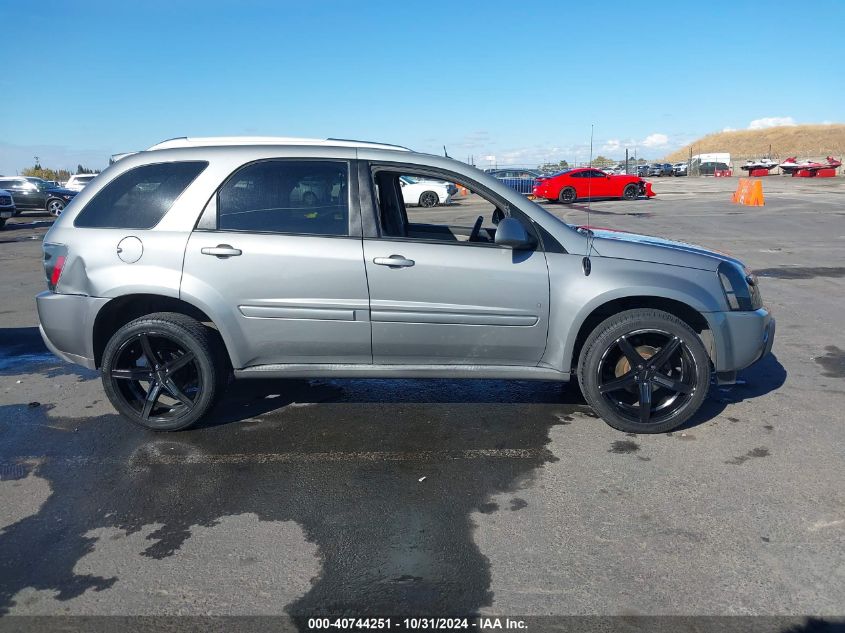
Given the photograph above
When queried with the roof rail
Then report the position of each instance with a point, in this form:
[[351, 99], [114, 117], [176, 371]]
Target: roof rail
[[212, 141]]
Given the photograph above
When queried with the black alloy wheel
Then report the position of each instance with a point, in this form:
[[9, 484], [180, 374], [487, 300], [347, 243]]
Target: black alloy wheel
[[644, 371], [567, 195], [429, 199], [163, 371]]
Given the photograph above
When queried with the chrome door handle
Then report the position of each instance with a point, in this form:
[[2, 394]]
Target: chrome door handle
[[394, 261], [221, 251]]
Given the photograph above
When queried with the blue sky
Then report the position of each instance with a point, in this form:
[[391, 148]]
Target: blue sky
[[519, 81]]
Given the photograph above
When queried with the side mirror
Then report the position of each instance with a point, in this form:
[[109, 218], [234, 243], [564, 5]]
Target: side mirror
[[401, 183], [512, 234]]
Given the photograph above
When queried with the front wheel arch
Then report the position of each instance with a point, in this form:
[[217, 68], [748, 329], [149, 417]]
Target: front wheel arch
[[683, 311]]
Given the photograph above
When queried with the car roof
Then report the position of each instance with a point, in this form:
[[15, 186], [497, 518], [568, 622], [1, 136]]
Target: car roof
[[217, 141]]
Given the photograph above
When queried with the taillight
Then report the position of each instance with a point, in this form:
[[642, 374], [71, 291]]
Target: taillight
[[55, 256]]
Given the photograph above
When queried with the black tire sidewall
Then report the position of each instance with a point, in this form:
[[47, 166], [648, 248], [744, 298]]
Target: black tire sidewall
[[426, 194], [614, 327], [193, 339], [560, 196], [627, 188]]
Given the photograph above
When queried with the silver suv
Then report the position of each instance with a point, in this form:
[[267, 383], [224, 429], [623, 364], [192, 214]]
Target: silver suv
[[200, 258]]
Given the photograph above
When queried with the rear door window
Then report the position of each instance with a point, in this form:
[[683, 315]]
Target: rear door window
[[304, 197], [140, 197]]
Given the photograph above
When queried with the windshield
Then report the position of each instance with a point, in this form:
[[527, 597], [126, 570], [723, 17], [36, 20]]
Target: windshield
[[560, 172]]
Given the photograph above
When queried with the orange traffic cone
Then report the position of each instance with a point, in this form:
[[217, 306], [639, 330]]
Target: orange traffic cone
[[749, 192]]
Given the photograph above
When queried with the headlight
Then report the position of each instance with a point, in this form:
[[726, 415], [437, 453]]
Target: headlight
[[740, 286]]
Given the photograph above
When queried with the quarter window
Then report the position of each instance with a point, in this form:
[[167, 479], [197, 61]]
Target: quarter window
[[283, 196], [140, 197]]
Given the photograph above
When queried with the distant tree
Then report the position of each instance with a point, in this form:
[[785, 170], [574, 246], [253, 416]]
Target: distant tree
[[59, 175], [558, 166], [602, 161]]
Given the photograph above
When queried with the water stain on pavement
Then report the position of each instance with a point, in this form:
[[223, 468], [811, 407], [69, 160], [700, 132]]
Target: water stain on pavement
[[833, 362], [346, 470], [801, 272], [755, 452], [624, 447], [23, 351]]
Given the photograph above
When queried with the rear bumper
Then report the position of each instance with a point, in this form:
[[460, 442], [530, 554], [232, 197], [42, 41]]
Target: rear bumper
[[66, 323], [741, 338]]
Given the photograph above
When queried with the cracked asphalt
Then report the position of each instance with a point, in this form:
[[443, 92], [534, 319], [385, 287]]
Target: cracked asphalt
[[355, 497]]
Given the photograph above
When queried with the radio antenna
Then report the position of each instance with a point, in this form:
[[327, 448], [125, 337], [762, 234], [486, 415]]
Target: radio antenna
[[585, 263]]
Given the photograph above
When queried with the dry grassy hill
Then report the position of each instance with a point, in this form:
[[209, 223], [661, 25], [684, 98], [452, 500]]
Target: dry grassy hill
[[799, 140]]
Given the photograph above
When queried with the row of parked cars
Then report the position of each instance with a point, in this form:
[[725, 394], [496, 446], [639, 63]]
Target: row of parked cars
[[18, 193], [569, 185]]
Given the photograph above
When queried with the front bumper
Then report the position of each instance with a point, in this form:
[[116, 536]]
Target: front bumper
[[66, 323], [740, 339], [7, 212]]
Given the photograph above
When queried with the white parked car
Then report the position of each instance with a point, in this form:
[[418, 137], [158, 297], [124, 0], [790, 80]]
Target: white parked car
[[77, 182], [425, 193]]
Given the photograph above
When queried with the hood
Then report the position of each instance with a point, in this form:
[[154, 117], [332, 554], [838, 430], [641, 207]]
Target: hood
[[62, 191], [647, 248]]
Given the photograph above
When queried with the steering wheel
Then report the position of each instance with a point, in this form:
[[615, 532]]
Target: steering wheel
[[476, 229]]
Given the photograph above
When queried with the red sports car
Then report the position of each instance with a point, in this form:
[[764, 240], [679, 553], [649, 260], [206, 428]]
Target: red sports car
[[573, 184]]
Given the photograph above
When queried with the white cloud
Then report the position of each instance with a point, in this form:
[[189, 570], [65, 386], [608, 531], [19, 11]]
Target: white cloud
[[611, 145], [771, 121], [728, 129], [655, 140]]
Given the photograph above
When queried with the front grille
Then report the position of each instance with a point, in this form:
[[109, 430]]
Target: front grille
[[5, 201]]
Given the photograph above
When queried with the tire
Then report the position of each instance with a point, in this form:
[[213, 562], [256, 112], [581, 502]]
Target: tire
[[630, 192], [55, 206], [2, 223], [183, 389], [614, 386], [567, 195], [429, 199]]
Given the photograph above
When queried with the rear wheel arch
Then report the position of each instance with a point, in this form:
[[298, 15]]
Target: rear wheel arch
[[681, 310], [126, 308]]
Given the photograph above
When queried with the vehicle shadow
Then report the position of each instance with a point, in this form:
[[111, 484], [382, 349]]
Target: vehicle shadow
[[765, 376], [384, 495], [245, 399]]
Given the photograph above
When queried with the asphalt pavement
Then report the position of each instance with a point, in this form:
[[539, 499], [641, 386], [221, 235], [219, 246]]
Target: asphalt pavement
[[355, 497]]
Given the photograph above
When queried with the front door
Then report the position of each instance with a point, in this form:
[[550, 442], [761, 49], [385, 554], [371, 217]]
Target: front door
[[441, 291], [278, 266]]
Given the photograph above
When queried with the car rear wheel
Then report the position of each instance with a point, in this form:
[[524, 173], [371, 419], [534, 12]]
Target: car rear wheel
[[567, 195], [2, 223], [55, 207], [429, 199], [644, 371], [630, 192], [163, 371]]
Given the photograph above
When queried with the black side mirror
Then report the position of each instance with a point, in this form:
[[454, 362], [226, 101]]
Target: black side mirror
[[511, 234]]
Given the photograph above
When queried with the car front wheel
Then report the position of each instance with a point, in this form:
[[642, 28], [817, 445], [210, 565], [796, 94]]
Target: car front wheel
[[630, 192], [163, 371], [55, 207], [644, 371]]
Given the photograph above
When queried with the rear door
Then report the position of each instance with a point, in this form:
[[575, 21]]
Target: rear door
[[438, 298], [279, 257]]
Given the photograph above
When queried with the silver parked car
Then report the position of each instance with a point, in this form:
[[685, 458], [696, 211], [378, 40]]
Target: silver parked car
[[199, 258]]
